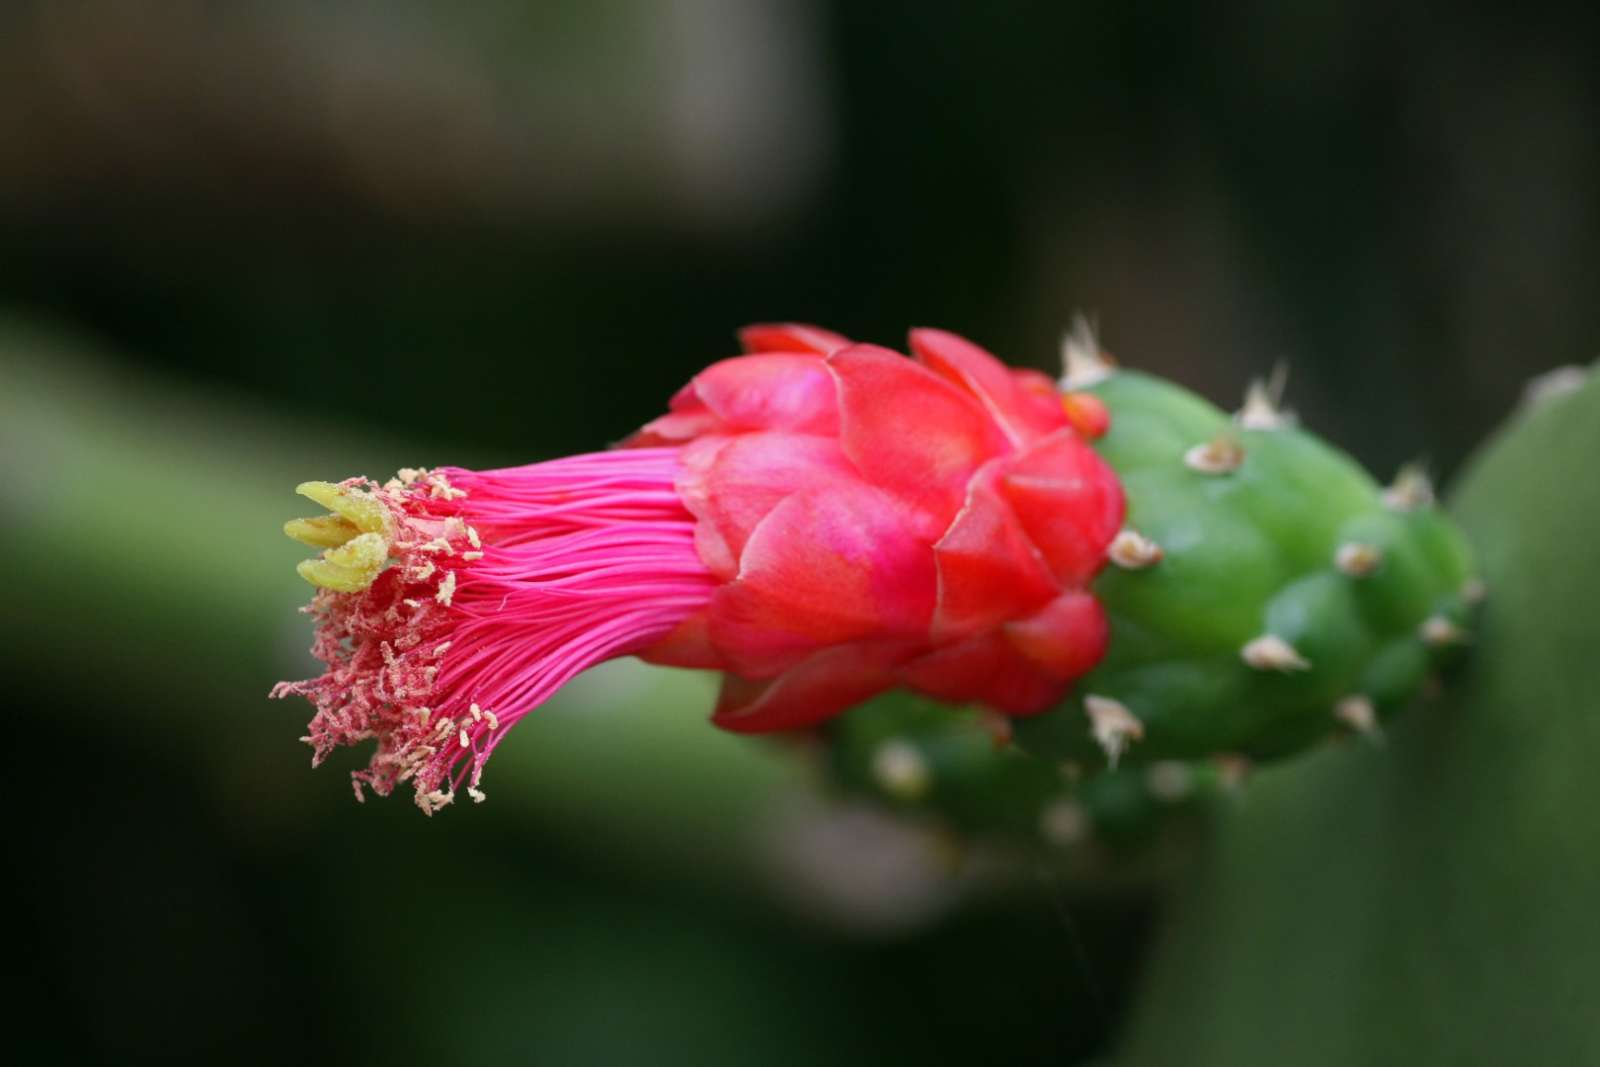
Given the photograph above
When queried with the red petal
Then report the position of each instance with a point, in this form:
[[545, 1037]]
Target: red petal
[[1068, 500], [688, 645], [1039, 391], [1006, 400], [1038, 386], [1065, 639], [819, 688], [984, 669], [825, 566], [911, 432], [770, 392], [791, 337], [989, 571], [731, 483], [687, 417]]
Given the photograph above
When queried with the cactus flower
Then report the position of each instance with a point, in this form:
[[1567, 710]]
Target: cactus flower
[[819, 520]]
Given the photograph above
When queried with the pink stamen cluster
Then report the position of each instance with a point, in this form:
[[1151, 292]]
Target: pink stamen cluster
[[502, 586]]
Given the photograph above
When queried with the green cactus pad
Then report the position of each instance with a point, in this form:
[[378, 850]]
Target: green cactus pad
[[1293, 598], [1433, 903]]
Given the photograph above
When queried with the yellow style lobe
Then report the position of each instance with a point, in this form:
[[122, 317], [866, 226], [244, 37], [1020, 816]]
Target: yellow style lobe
[[355, 538]]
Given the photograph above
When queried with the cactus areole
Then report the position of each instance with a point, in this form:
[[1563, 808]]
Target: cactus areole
[[1112, 568]]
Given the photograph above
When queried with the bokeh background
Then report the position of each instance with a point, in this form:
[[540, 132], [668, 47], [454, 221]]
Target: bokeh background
[[245, 244]]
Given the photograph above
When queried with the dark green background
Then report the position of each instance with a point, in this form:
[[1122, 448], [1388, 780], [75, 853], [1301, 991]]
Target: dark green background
[[244, 244]]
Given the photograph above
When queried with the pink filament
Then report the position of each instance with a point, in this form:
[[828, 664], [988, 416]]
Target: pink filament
[[503, 585]]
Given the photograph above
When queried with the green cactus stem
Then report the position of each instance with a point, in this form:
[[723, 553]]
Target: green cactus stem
[[1434, 903]]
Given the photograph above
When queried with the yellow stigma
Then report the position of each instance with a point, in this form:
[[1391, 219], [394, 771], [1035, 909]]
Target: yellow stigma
[[355, 537]]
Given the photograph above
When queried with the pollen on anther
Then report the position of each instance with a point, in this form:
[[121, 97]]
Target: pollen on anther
[[478, 796], [447, 589], [1133, 551], [466, 742], [439, 487], [1269, 652], [432, 802], [477, 713], [1221, 455]]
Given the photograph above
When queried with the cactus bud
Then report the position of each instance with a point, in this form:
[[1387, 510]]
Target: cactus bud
[[819, 520]]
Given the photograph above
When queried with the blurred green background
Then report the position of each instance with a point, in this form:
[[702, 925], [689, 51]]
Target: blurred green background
[[245, 244]]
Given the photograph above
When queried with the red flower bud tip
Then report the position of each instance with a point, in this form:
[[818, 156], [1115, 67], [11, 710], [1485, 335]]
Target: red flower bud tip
[[819, 520]]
